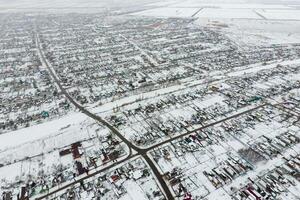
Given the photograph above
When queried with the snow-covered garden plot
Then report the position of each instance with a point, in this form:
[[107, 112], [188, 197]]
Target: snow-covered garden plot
[[196, 172], [292, 100], [130, 180], [166, 118], [150, 121], [269, 126], [269, 82], [41, 131], [58, 157], [224, 155], [277, 181]]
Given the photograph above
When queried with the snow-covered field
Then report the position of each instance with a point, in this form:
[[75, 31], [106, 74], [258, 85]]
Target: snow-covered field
[[168, 12], [269, 22], [40, 131], [217, 13], [280, 14], [235, 9], [244, 4], [69, 3]]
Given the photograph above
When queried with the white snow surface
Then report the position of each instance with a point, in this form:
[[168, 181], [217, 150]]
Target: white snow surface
[[39, 131], [216, 13], [168, 12]]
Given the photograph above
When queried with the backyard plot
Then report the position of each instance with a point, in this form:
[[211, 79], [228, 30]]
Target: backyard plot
[[225, 154]]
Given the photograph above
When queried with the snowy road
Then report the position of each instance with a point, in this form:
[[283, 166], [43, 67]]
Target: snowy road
[[141, 152], [138, 151]]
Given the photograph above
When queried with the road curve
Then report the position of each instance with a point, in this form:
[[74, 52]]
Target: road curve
[[141, 152]]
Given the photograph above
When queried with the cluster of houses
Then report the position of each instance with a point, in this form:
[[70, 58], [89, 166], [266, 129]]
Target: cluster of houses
[[203, 78], [174, 113], [114, 184], [269, 148], [224, 154], [170, 114], [227, 171], [95, 70], [272, 184], [77, 159], [263, 84], [111, 62], [28, 94]]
